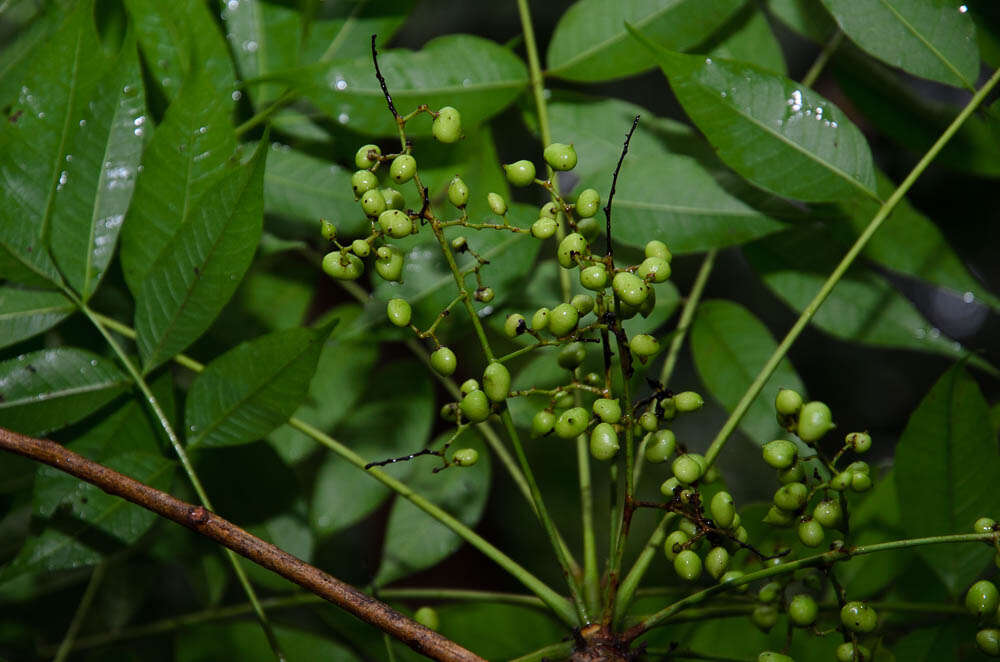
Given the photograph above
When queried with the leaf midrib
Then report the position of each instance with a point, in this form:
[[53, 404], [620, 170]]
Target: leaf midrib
[[927, 44], [64, 393]]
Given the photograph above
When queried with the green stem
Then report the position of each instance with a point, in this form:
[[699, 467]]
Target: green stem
[[283, 100], [838, 272], [591, 577], [623, 600], [96, 577], [821, 60]]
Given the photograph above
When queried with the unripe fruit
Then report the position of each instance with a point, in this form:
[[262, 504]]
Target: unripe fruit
[[688, 401], [571, 246], [780, 453], [810, 532], [688, 565], [520, 173], [793, 474], [403, 168], [475, 406], [771, 656], [588, 203], [648, 421], [716, 561], [563, 400], [769, 592], [484, 294], [428, 617], [572, 422], [841, 481], [984, 525], [860, 482], [630, 288], [393, 198], [603, 441], [342, 266], [459, 244], [496, 382], [399, 311], [654, 269], [849, 652], [860, 442], [669, 487], [777, 517], [802, 610], [656, 248], [608, 410], [688, 527], [594, 277], [360, 248], [389, 264], [363, 181], [982, 598], [791, 497], [328, 230], [687, 469], [540, 319], [858, 617], [764, 617], [497, 204], [465, 457], [458, 192], [542, 423], [828, 513], [468, 386], [671, 546], [787, 402], [447, 126], [515, 325], [572, 355], [395, 223], [732, 576], [723, 509], [584, 303], [443, 361], [363, 159], [660, 446], [988, 641], [563, 319], [815, 420], [643, 345], [543, 228], [667, 409], [373, 202], [548, 210], [560, 156]]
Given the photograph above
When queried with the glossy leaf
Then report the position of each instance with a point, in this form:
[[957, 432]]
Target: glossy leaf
[[344, 30], [19, 53], [414, 540], [26, 313], [476, 76], [590, 42], [246, 642], [498, 631], [663, 191], [809, 18], [304, 187], [945, 457], [51, 388], [779, 135], [98, 174], [191, 150], [933, 39], [253, 388], [384, 425], [730, 346], [187, 286], [929, 644], [748, 37]]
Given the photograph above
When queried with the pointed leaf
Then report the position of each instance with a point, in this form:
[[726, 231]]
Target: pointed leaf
[[477, 76], [933, 39], [414, 540], [945, 457], [19, 53], [748, 37], [189, 284], [809, 18], [304, 187], [25, 313], [730, 346], [253, 388], [344, 30], [51, 388], [590, 42], [774, 132], [191, 150], [264, 37]]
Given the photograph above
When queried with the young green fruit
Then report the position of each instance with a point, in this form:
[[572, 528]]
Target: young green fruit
[[810, 532], [496, 382], [791, 497], [860, 481], [484, 294], [514, 325], [343, 265], [828, 513], [403, 168], [594, 277], [570, 247], [841, 481], [443, 361], [771, 656], [395, 223], [520, 173], [542, 423], [787, 402], [607, 409], [988, 641], [688, 565], [656, 248], [860, 442], [688, 401], [584, 303], [563, 400], [654, 269], [447, 126], [393, 198], [465, 457], [660, 446], [475, 406], [428, 617], [360, 248], [643, 345], [802, 610], [648, 421], [468, 386], [815, 420], [769, 592], [630, 288], [793, 474], [673, 542], [560, 156], [780, 453], [716, 562], [363, 181], [540, 320], [328, 230], [572, 422], [687, 469], [982, 598], [389, 264], [548, 210], [850, 652], [984, 525], [603, 442], [367, 156], [732, 576], [764, 617], [723, 509], [399, 311], [571, 356], [588, 203], [543, 228], [373, 202], [777, 517], [458, 192], [563, 320], [497, 204], [858, 617]]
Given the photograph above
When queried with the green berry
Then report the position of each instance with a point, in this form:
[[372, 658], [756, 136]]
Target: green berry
[[787, 402], [988, 641], [449, 412], [688, 401], [560, 156], [608, 410], [403, 168], [475, 406], [841, 481], [395, 223], [815, 420], [648, 421], [810, 532], [732, 576], [584, 303], [398, 311], [548, 210], [496, 382], [458, 192], [723, 509], [515, 325], [777, 517], [771, 656], [428, 617], [572, 422], [828, 513], [544, 228], [360, 248], [484, 294], [860, 442], [367, 156], [540, 319], [656, 248], [982, 598], [687, 469], [688, 565], [363, 181], [660, 445], [673, 543], [688, 527], [716, 561], [447, 126], [393, 198], [389, 264], [373, 202], [343, 265], [563, 319], [542, 423], [850, 652], [571, 246], [443, 361], [791, 497], [764, 617], [465, 457], [654, 269], [769, 592], [328, 230], [497, 204], [468, 386], [802, 610], [563, 400], [643, 345], [780, 453], [630, 288], [860, 481], [594, 277], [984, 525], [603, 441], [669, 487], [520, 173], [572, 356], [793, 474], [858, 617], [588, 203]]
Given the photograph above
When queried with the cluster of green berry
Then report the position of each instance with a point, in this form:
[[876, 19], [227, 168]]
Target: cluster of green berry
[[983, 600], [856, 618]]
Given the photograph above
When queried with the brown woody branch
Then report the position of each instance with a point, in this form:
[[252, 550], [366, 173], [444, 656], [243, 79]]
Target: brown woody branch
[[198, 519]]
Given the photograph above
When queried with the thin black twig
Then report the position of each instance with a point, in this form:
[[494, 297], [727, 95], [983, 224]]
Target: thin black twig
[[403, 458], [614, 179], [381, 80]]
